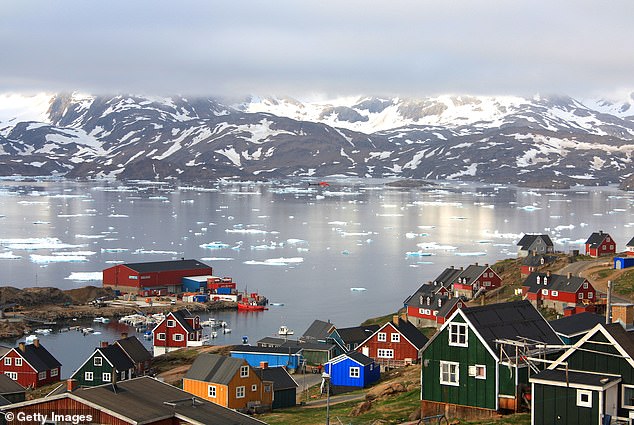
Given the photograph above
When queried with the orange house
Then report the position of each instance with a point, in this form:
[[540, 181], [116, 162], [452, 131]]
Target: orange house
[[229, 382]]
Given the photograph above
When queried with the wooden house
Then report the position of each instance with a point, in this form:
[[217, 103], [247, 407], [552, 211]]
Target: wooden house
[[136, 351], [31, 365], [629, 248], [350, 338], [153, 278], [474, 280], [352, 371], [10, 391], [318, 331], [531, 263], [600, 244], [557, 291], [107, 364], [284, 386], [178, 330], [142, 400], [591, 380], [431, 304], [535, 245], [466, 370], [229, 382], [574, 327], [394, 344], [289, 357], [314, 353]]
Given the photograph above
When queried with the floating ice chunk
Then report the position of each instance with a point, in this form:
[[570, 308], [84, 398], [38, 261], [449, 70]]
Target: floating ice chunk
[[529, 208], [45, 259], [214, 245], [276, 261], [345, 252], [41, 222], [144, 251], [426, 227], [158, 198], [498, 235], [564, 227], [114, 262], [320, 197], [418, 254], [389, 215], [357, 233], [271, 245], [75, 215], [426, 246], [358, 289], [218, 259], [9, 256], [85, 276], [90, 236], [32, 202], [300, 249], [247, 231], [338, 223], [32, 244], [296, 241], [484, 241], [470, 254], [114, 249], [438, 204], [118, 216]]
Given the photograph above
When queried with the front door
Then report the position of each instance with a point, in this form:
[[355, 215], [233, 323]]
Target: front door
[[365, 351], [611, 401]]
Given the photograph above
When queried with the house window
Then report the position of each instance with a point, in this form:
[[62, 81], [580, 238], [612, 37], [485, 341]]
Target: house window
[[585, 285], [544, 291], [382, 337], [41, 376], [7, 361], [478, 371], [396, 337], [590, 295], [97, 361], [87, 376], [160, 337], [580, 295], [244, 371], [382, 353], [267, 388], [254, 387], [355, 372], [240, 392], [12, 375], [177, 337], [584, 398], [449, 373], [106, 377], [18, 361], [555, 293], [628, 396], [171, 323], [123, 375], [211, 391], [54, 372], [458, 334]]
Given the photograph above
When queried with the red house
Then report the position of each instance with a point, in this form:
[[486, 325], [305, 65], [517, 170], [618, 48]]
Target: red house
[[31, 365], [394, 344], [474, 279], [153, 278], [629, 248], [532, 263], [431, 305], [178, 330], [558, 291], [599, 244]]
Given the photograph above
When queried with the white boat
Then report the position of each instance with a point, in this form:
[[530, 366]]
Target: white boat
[[208, 323], [226, 330], [284, 330], [30, 339], [43, 331], [214, 334], [88, 330], [101, 320]]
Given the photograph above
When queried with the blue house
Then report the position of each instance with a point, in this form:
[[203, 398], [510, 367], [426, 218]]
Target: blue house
[[289, 357], [352, 371]]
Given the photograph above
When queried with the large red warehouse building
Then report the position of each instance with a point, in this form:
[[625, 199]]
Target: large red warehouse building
[[153, 278]]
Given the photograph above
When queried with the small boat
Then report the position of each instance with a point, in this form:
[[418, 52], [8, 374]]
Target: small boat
[[357, 289], [276, 304], [226, 330], [101, 320], [208, 323], [30, 338], [214, 334], [43, 331], [284, 330], [87, 330], [251, 307]]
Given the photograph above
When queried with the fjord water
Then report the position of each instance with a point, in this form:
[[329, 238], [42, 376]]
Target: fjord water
[[301, 246]]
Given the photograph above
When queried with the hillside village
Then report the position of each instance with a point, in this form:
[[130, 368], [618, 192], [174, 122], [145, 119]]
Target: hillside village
[[478, 342]]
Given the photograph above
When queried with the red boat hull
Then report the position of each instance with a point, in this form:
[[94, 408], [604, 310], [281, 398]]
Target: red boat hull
[[251, 307]]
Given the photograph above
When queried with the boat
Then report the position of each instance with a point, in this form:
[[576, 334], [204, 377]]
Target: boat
[[214, 334], [147, 335], [276, 304], [43, 331], [284, 330], [209, 323], [226, 330], [87, 330], [357, 289], [101, 320], [251, 307], [30, 339]]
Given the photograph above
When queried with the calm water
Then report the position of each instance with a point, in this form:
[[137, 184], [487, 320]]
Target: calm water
[[302, 246]]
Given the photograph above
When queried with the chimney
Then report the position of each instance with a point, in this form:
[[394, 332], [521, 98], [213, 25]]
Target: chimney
[[600, 232], [461, 268], [36, 343], [623, 313], [21, 347], [71, 385], [104, 344], [264, 365], [476, 264], [124, 335], [486, 264], [548, 273], [395, 319], [403, 316], [569, 275]]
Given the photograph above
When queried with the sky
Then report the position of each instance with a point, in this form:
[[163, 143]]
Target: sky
[[310, 49]]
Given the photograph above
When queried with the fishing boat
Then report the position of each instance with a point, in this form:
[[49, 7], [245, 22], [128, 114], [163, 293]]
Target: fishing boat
[[251, 307], [284, 330], [30, 339]]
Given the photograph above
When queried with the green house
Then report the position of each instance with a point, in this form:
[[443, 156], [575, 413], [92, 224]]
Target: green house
[[590, 383], [107, 364], [468, 373]]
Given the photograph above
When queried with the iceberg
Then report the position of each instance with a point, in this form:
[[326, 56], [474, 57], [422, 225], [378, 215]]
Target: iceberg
[[214, 245], [9, 256], [45, 259], [85, 276]]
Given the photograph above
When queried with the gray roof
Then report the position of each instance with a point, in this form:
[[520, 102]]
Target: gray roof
[[448, 276], [412, 333], [596, 239], [624, 338], [577, 323], [309, 346], [9, 386], [161, 266], [318, 330], [527, 240], [422, 293], [117, 357], [357, 333], [266, 350], [510, 320], [181, 316], [554, 282], [271, 341], [580, 378], [630, 243], [278, 375], [472, 273], [360, 358], [447, 307], [215, 368], [538, 260], [134, 349], [39, 357]]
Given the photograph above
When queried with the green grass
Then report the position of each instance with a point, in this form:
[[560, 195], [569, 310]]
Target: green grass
[[624, 284], [602, 274], [515, 419]]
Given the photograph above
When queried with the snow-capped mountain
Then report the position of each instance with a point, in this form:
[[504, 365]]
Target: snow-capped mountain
[[553, 140]]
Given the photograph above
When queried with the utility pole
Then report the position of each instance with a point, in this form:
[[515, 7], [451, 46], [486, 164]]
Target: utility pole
[[326, 378], [608, 307]]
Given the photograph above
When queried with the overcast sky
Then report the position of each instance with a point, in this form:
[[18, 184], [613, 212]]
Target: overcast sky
[[307, 48]]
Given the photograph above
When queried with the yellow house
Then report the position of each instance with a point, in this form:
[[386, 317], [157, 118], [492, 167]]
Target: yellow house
[[229, 382]]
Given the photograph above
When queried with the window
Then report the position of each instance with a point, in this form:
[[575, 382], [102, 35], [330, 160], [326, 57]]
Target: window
[[88, 376], [12, 375], [580, 295], [211, 391], [544, 291], [254, 387], [123, 375], [585, 285], [382, 337], [171, 323], [396, 337], [478, 371], [590, 295], [18, 361], [244, 371], [355, 372], [267, 388], [177, 337], [584, 398], [41, 376], [240, 392], [628, 396], [449, 373], [384, 353], [97, 361], [132, 277], [160, 337], [54, 372], [554, 293], [106, 377], [458, 334], [7, 361]]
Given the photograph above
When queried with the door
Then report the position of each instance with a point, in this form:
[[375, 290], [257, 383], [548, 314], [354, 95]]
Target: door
[[365, 351], [611, 401]]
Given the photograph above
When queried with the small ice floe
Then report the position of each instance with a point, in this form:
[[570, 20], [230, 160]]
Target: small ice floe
[[85, 276], [484, 241], [470, 254], [218, 259], [359, 289], [32, 244], [158, 198], [118, 216], [426, 227], [338, 223], [389, 215], [345, 252], [247, 231], [296, 241], [529, 208], [412, 235], [425, 262], [565, 227], [418, 254], [90, 236], [320, 197], [214, 245], [113, 250], [271, 245], [45, 259], [187, 201], [457, 218], [427, 246], [114, 262], [145, 251], [9, 256], [41, 222], [276, 261], [356, 233]]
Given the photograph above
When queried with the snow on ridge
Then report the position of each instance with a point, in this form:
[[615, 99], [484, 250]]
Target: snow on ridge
[[16, 107]]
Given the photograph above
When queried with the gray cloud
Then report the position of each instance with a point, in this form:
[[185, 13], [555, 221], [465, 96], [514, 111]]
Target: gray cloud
[[399, 47]]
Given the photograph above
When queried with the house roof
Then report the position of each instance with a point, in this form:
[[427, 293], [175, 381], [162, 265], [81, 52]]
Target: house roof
[[38, 357], [267, 350], [448, 276], [510, 320], [537, 260], [357, 333], [577, 323], [161, 266], [4, 350], [279, 376], [410, 332], [578, 378], [117, 357], [9, 386], [318, 330], [214, 368], [270, 340], [446, 308], [181, 316], [422, 293], [630, 243], [360, 358], [596, 239], [528, 240], [310, 346], [622, 337], [472, 272], [134, 349], [554, 282], [146, 400]]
